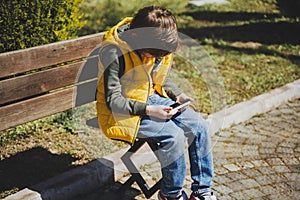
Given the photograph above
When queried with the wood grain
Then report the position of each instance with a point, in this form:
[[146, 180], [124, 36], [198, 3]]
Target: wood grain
[[37, 83], [37, 57], [36, 108]]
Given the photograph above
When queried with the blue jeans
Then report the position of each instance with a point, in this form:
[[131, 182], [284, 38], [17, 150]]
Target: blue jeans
[[170, 135]]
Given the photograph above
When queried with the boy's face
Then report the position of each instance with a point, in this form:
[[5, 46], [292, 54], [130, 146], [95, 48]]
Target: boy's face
[[147, 55], [150, 53]]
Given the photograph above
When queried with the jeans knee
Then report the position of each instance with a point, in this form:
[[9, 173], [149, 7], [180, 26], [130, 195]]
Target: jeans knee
[[176, 140], [172, 148], [203, 125]]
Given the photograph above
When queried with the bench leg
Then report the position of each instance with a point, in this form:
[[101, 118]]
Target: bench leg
[[135, 174]]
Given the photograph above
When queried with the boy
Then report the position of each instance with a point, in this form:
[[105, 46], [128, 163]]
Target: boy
[[134, 95]]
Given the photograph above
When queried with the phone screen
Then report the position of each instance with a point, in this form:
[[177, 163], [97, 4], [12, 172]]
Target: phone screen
[[175, 105]]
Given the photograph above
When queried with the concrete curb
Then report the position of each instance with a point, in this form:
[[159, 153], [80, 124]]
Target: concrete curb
[[260, 104], [85, 179]]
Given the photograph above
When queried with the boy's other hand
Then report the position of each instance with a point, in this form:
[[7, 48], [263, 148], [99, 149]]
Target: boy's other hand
[[183, 98], [158, 111]]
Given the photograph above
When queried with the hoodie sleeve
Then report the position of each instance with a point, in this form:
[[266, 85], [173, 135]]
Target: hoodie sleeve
[[169, 86], [171, 89]]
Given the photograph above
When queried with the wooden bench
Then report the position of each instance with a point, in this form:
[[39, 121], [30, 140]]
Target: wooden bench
[[44, 80]]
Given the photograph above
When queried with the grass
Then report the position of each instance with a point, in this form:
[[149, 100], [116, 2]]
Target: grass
[[254, 49], [254, 46]]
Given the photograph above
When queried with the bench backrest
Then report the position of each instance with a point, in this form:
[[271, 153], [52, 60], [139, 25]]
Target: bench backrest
[[44, 80]]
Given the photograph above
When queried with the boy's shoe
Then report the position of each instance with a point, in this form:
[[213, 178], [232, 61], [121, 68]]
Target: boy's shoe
[[203, 196], [183, 196]]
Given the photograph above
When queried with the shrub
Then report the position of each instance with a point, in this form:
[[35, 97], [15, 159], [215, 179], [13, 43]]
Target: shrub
[[28, 23]]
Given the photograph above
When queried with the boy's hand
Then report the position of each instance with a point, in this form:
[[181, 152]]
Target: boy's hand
[[183, 98], [158, 111]]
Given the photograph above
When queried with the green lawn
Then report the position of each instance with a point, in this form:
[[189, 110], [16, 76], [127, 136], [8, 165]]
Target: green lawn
[[254, 46]]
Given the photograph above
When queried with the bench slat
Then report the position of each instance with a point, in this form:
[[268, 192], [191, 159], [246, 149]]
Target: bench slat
[[37, 83], [37, 57], [36, 108]]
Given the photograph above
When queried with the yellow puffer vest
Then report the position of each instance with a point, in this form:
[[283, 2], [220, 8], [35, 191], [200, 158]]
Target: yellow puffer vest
[[136, 83]]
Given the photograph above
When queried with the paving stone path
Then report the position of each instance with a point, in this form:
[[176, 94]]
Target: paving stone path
[[260, 158], [257, 159]]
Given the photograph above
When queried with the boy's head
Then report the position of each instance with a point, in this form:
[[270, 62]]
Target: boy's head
[[155, 31]]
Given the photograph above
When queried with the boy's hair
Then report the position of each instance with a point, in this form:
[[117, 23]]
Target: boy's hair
[[156, 30]]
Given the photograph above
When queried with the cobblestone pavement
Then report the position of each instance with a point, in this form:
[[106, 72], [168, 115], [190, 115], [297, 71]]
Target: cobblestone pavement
[[257, 159]]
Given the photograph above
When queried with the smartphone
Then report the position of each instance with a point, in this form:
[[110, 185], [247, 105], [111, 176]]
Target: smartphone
[[176, 106]]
